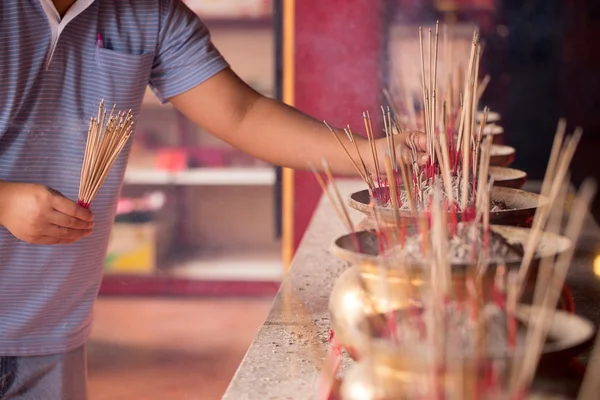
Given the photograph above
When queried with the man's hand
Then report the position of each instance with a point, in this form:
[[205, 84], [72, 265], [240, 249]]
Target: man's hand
[[37, 214], [407, 143], [412, 145]]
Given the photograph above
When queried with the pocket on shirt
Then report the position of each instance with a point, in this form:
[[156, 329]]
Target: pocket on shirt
[[121, 79]]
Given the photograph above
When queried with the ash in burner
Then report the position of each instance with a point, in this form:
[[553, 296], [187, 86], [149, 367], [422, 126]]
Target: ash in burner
[[424, 197], [464, 246], [465, 335], [498, 205]]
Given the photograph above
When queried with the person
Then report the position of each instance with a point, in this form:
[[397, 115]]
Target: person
[[59, 59]]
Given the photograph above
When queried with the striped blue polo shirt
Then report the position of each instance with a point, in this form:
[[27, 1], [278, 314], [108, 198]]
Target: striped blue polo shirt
[[53, 74]]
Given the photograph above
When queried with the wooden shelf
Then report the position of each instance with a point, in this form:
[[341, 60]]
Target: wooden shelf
[[259, 176]]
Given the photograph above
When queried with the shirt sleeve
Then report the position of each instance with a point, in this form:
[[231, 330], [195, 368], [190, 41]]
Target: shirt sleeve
[[185, 56]]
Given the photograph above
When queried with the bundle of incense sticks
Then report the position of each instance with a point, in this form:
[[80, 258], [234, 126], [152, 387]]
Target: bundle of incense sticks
[[107, 135], [375, 180], [454, 47], [459, 152], [405, 92]]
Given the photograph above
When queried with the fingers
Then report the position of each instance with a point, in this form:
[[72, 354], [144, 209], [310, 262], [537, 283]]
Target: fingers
[[70, 208], [66, 234], [418, 138], [57, 235], [65, 221], [46, 240], [407, 156]]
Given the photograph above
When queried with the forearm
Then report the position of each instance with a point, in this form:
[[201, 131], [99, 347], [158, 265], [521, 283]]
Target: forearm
[[264, 128], [292, 139]]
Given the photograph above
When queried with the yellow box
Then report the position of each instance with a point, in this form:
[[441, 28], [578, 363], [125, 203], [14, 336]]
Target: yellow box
[[132, 248]]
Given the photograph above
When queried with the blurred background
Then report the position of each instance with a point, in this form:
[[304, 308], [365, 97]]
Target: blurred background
[[204, 234]]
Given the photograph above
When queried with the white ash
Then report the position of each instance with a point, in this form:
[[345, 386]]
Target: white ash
[[465, 336], [466, 245], [424, 197]]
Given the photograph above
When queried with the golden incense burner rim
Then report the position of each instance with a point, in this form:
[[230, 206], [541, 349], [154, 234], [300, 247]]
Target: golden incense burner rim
[[343, 247], [518, 202]]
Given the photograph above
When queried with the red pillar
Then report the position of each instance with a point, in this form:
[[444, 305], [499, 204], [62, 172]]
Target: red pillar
[[338, 52]]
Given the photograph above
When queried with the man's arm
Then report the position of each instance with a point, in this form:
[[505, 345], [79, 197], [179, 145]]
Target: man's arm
[[190, 72], [228, 108]]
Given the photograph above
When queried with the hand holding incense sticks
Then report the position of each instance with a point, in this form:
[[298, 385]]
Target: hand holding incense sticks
[[107, 135], [39, 215]]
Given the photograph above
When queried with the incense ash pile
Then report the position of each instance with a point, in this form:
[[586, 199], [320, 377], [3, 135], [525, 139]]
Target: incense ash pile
[[465, 246], [469, 334], [424, 196]]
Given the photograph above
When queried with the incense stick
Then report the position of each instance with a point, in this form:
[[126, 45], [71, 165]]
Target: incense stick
[[590, 386], [360, 173], [367, 175], [343, 216], [407, 184], [373, 145], [336, 191], [482, 86], [563, 158], [393, 189]]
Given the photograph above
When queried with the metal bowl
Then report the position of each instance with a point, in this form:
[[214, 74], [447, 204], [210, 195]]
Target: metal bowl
[[360, 383], [344, 248], [375, 285], [508, 177], [502, 156], [392, 371], [491, 118], [521, 207], [354, 314], [496, 131]]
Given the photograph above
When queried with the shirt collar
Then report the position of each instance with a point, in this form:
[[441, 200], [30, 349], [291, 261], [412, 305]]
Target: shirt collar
[[54, 17]]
